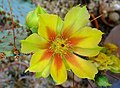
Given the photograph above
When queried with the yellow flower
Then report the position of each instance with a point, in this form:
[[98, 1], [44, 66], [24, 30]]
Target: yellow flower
[[56, 43], [102, 61], [111, 47], [115, 67], [107, 62]]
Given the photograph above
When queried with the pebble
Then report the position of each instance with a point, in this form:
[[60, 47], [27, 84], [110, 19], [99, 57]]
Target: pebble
[[91, 5], [77, 79], [59, 7], [114, 37], [68, 84], [114, 16]]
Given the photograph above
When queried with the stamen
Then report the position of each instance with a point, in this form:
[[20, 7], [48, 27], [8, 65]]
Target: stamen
[[59, 46]]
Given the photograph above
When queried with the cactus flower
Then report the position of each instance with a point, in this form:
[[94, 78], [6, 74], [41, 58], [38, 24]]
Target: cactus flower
[[58, 42]]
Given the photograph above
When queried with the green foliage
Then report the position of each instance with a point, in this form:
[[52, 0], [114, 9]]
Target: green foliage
[[102, 81]]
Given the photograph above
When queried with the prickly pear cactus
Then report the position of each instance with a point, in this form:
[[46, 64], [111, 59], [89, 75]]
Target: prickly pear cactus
[[6, 40], [20, 8], [6, 33]]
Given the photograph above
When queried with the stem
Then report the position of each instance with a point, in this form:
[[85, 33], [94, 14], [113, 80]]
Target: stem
[[90, 83], [95, 21], [24, 77], [97, 17], [73, 80], [11, 64], [112, 76], [14, 37], [5, 80]]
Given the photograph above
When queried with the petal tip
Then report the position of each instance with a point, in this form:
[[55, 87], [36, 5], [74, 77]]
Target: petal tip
[[26, 70]]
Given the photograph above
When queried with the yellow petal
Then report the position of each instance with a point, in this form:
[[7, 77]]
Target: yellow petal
[[82, 68], [87, 51], [38, 74], [44, 73], [87, 37], [49, 26], [40, 60], [66, 65], [33, 43], [75, 19], [58, 70]]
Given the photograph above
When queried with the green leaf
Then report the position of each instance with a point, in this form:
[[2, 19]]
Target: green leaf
[[104, 50], [102, 81]]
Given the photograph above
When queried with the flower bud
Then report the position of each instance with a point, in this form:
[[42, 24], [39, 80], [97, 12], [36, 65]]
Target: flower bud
[[33, 17]]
